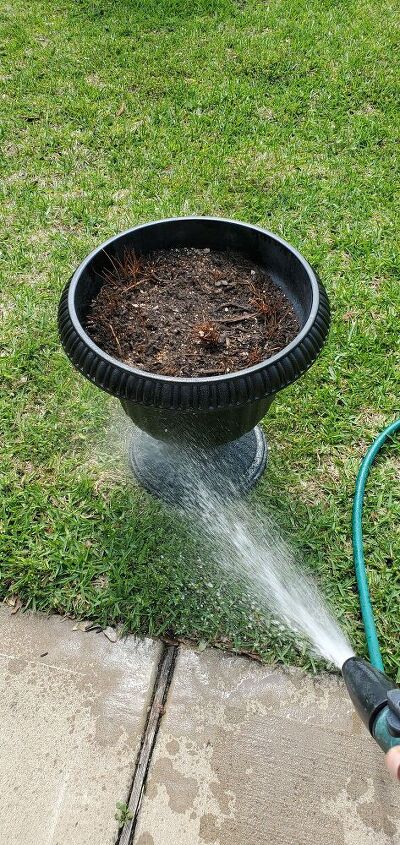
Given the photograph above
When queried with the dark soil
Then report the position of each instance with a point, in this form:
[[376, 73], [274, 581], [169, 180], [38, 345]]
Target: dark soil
[[190, 312]]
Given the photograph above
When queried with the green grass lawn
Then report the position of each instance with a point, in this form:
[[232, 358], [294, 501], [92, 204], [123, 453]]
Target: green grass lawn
[[280, 113]]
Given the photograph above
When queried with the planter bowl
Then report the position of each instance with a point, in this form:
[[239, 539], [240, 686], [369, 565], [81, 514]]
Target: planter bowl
[[215, 418]]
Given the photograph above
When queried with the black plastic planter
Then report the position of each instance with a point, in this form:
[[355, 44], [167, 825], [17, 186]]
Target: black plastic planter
[[215, 418]]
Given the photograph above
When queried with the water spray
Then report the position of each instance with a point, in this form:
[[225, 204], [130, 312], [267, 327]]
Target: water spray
[[376, 697]]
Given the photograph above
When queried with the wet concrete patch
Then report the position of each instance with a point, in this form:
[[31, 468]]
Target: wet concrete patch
[[252, 754]]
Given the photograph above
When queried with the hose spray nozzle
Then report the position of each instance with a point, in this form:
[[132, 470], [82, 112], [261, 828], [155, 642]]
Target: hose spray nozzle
[[376, 699]]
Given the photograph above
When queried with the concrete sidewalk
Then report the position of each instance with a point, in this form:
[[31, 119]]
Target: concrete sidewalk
[[73, 708], [251, 755], [244, 754]]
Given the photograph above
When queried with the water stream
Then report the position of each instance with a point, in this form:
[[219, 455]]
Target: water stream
[[251, 551]]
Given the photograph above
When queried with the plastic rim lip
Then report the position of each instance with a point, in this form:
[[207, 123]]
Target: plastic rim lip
[[195, 380]]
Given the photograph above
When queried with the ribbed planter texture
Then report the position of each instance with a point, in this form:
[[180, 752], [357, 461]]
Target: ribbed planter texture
[[210, 420]]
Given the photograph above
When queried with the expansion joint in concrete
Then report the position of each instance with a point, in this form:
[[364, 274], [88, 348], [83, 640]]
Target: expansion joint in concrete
[[159, 696]]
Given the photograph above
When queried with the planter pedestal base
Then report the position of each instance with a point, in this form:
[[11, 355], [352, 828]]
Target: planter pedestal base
[[176, 474]]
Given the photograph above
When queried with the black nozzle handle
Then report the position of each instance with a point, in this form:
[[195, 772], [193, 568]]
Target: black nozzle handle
[[368, 689]]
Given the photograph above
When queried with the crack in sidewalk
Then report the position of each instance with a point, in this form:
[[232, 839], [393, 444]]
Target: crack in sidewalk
[[160, 691]]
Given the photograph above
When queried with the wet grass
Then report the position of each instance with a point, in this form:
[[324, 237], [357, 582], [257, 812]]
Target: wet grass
[[281, 114]]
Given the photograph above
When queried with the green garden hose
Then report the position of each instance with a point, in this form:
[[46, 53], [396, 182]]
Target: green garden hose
[[358, 548]]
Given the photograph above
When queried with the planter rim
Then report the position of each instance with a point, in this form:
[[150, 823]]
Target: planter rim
[[158, 377]]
